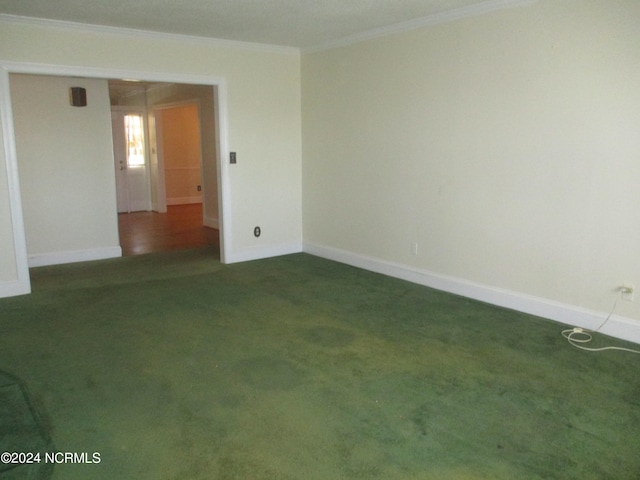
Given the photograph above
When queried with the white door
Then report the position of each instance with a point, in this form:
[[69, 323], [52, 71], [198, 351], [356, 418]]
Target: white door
[[131, 160]]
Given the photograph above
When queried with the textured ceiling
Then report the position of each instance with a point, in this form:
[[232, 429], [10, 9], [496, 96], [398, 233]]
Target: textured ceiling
[[294, 23]]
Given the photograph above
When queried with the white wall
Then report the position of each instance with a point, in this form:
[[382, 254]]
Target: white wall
[[65, 161], [505, 146], [262, 104]]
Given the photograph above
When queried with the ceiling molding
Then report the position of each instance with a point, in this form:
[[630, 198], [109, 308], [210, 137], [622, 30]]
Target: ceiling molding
[[473, 10], [430, 20], [147, 34]]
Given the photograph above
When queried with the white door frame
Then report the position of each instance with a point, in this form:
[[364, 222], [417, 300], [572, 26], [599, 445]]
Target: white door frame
[[156, 162], [23, 284], [159, 126]]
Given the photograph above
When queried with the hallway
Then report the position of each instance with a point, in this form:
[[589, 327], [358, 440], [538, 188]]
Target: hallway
[[180, 228]]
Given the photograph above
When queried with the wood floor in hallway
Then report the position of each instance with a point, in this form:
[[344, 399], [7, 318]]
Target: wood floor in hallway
[[181, 227]]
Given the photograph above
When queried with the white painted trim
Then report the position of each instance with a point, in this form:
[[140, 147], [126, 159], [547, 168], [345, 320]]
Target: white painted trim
[[22, 283], [224, 182], [161, 182], [58, 258], [12, 289], [148, 34], [107, 73], [211, 222], [257, 253], [222, 148], [617, 326], [430, 20]]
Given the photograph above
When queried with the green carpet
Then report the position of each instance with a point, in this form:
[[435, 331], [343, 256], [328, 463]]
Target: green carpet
[[173, 366], [23, 435]]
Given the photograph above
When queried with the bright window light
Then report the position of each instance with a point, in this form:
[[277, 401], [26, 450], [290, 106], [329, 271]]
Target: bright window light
[[134, 130]]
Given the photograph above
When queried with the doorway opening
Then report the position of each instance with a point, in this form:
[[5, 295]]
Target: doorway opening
[[165, 164], [128, 127], [66, 250]]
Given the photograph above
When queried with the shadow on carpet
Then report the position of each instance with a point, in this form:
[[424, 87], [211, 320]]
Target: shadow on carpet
[[24, 440]]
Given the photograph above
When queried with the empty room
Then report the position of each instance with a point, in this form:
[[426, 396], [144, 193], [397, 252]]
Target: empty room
[[425, 263]]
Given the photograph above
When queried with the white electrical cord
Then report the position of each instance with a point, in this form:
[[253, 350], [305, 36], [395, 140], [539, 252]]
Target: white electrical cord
[[576, 335]]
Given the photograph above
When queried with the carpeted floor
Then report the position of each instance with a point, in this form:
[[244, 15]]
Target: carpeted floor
[[173, 366]]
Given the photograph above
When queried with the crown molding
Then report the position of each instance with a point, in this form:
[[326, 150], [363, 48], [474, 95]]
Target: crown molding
[[146, 34], [482, 8], [430, 20]]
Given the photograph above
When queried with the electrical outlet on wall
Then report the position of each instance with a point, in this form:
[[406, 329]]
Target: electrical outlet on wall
[[626, 292]]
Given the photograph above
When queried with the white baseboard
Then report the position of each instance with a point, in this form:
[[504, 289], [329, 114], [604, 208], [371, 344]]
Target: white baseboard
[[14, 288], [617, 326], [258, 253], [184, 200], [211, 222], [57, 258]]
